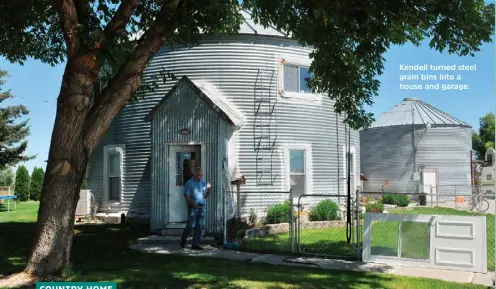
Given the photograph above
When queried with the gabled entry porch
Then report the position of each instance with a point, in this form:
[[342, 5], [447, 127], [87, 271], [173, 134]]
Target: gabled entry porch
[[194, 121]]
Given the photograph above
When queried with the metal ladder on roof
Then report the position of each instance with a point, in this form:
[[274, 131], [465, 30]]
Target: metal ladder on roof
[[265, 126]]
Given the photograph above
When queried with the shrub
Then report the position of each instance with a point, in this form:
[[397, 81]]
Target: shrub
[[36, 183], [22, 184], [374, 208], [236, 229], [400, 200], [326, 210], [278, 213]]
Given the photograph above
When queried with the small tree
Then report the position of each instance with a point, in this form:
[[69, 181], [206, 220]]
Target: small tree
[[22, 184], [13, 134], [7, 178], [36, 183]]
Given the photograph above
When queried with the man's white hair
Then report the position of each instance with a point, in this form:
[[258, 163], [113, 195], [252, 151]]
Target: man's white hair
[[198, 170]]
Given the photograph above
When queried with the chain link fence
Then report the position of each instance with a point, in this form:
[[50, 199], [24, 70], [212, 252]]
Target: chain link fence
[[324, 227], [416, 235], [261, 222], [258, 221]]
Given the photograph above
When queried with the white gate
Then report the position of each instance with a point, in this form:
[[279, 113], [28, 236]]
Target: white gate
[[443, 242]]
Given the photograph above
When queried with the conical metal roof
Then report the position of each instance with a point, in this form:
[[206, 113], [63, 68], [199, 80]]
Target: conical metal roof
[[413, 110], [248, 26]]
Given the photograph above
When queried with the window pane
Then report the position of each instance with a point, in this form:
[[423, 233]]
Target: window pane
[[489, 177], [297, 162], [297, 184], [290, 78], [304, 73], [114, 165], [114, 188]]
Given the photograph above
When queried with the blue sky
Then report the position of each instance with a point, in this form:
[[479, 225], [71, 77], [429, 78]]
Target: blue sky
[[36, 85]]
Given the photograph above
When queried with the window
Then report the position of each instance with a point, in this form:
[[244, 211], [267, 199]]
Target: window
[[114, 176], [113, 171], [299, 169], [295, 78], [183, 162], [489, 177]]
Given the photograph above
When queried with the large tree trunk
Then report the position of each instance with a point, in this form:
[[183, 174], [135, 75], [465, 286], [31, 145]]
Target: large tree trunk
[[67, 161], [78, 129]]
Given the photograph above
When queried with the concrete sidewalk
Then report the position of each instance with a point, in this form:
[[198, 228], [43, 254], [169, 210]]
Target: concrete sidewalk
[[446, 275]]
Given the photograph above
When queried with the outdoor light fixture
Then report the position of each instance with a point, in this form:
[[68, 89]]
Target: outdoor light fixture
[[428, 125]]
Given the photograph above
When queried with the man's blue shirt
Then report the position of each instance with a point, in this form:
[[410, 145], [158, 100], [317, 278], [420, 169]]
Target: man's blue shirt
[[196, 190]]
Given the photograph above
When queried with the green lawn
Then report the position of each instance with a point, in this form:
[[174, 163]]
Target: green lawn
[[101, 253], [332, 241]]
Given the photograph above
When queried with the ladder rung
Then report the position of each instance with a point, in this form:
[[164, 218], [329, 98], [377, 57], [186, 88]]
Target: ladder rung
[[265, 113], [263, 100], [262, 125]]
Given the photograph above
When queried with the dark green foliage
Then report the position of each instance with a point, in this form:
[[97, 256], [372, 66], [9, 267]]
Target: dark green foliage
[[13, 134], [236, 229], [484, 139], [326, 210], [399, 200], [22, 184], [374, 208], [349, 40], [36, 184], [278, 213]]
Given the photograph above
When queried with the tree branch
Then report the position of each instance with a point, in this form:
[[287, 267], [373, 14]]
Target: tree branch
[[69, 22], [124, 84], [121, 18]]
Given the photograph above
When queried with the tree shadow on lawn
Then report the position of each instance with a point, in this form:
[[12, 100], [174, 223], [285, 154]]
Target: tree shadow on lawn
[[101, 253]]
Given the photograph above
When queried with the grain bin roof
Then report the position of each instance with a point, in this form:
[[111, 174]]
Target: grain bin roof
[[248, 26], [423, 114]]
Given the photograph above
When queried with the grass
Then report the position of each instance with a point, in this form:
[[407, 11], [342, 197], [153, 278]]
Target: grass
[[332, 241], [100, 253]]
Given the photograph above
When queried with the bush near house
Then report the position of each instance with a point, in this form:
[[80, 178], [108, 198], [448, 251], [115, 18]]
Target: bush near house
[[374, 208], [325, 210], [236, 229], [22, 184], [398, 200], [36, 184], [278, 213]]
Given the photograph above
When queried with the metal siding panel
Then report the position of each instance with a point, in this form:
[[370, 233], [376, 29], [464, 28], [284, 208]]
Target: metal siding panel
[[387, 155]]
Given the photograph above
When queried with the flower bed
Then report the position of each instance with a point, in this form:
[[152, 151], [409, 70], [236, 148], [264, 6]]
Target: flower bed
[[274, 229]]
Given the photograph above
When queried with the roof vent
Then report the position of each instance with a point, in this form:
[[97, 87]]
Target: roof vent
[[411, 99]]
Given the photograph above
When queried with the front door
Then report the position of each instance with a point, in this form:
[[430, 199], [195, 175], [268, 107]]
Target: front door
[[179, 158]]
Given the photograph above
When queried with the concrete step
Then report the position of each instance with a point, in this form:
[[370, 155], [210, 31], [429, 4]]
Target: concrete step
[[171, 232], [158, 240]]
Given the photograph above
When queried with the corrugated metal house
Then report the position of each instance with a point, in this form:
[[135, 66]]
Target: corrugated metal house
[[239, 106], [414, 135]]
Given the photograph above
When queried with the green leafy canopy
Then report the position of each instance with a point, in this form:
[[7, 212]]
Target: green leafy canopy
[[349, 38]]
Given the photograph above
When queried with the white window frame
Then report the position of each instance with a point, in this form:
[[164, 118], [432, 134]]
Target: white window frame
[[307, 148], [108, 150], [300, 62]]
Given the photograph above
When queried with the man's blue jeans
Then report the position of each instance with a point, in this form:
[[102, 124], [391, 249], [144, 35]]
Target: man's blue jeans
[[196, 220]]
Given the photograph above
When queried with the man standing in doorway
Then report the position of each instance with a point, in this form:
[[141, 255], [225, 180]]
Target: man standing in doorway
[[196, 191]]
